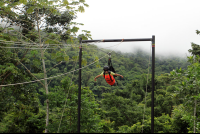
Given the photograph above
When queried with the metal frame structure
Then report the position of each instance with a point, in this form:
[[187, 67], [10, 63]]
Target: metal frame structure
[[119, 40]]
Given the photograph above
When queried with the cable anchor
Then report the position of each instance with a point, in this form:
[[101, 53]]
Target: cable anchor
[[109, 54]]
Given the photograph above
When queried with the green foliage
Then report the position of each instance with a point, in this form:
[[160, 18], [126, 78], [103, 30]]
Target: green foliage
[[104, 109], [90, 119], [188, 89]]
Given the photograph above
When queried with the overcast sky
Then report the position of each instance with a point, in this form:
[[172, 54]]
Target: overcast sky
[[173, 22]]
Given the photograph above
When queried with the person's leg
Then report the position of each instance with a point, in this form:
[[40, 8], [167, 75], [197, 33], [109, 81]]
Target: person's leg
[[115, 84]]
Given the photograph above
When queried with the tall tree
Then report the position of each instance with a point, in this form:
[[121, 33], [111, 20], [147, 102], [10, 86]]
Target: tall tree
[[195, 47], [34, 13], [188, 88]]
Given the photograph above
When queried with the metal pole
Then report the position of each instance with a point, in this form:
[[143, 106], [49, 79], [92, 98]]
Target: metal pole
[[117, 40], [79, 91], [153, 66], [153, 86]]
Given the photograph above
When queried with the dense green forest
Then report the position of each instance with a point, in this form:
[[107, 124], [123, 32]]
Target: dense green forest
[[39, 79]]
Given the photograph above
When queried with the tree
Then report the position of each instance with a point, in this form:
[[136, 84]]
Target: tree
[[33, 13], [195, 47], [188, 91]]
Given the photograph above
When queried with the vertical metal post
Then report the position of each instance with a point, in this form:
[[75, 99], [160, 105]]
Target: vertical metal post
[[79, 90], [153, 86]]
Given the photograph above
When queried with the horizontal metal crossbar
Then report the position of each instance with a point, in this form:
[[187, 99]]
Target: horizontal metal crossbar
[[117, 40]]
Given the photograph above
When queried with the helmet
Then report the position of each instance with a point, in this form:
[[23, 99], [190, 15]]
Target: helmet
[[105, 68]]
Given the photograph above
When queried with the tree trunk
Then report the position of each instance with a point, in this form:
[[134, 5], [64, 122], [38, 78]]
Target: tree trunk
[[47, 92], [45, 74]]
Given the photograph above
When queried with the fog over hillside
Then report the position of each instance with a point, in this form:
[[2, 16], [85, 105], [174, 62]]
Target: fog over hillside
[[174, 24], [133, 47]]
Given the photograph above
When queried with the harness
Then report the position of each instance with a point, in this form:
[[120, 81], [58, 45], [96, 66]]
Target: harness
[[110, 65], [108, 74], [109, 79], [112, 80]]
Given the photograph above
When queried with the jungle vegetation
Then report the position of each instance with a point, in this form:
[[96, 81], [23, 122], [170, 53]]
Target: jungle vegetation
[[31, 51]]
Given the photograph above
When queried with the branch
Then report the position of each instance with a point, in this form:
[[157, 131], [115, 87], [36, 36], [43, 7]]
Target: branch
[[54, 66], [30, 72], [16, 62]]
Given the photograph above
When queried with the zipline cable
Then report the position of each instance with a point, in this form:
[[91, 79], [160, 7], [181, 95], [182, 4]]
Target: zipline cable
[[26, 48], [18, 43], [61, 74], [52, 47], [101, 48], [30, 44], [53, 76], [146, 90], [14, 23], [35, 32], [35, 48]]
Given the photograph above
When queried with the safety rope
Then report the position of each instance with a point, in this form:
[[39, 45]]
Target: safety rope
[[146, 91]]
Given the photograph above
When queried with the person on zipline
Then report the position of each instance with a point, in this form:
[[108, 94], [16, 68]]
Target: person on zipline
[[108, 75]]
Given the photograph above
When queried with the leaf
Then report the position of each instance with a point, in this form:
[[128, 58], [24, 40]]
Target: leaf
[[197, 32], [84, 52], [30, 10], [81, 9], [59, 54], [10, 28], [59, 59], [53, 55], [2, 4], [36, 62], [66, 58], [68, 41], [86, 5], [75, 58], [84, 62], [74, 29], [183, 83], [46, 42], [34, 52], [23, 1], [82, 1], [65, 2]]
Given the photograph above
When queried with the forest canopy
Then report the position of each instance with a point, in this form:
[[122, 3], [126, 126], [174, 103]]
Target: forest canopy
[[39, 51]]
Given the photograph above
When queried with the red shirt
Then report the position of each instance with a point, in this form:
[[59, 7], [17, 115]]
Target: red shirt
[[108, 80]]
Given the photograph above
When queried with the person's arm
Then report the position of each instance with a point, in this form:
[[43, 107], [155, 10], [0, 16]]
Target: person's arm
[[118, 75], [97, 77]]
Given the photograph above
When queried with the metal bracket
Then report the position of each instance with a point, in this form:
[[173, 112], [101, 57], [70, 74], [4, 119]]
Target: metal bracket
[[109, 54]]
